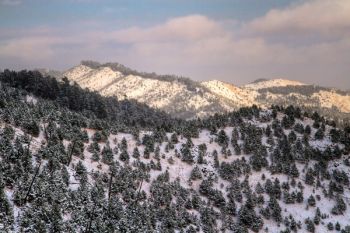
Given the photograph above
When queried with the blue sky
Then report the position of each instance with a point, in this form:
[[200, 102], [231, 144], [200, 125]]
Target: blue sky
[[232, 40], [15, 13]]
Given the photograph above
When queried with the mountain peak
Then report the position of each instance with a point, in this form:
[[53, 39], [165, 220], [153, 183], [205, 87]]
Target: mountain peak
[[231, 92], [267, 83]]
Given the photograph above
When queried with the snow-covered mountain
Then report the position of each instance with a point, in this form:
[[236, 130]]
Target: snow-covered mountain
[[229, 91], [186, 98], [272, 83], [181, 97]]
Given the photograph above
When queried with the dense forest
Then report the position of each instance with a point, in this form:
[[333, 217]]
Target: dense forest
[[73, 161], [306, 90], [90, 104]]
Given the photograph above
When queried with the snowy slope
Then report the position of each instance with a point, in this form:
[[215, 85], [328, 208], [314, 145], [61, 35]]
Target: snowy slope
[[171, 161], [201, 99], [329, 99], [171, 96], [239, 96], [272, 83]]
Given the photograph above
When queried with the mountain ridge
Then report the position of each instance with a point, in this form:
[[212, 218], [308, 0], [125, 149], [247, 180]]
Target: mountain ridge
[[186, 98]]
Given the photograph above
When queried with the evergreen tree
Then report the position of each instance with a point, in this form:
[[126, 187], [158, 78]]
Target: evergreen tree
[[311, 201], [222, 138], [248, 218], [136, 153], [174, 139], [216, 159], [95, 157], [124, 144], [196, 174], [275, 209], [339, 207], [310, 226], [124, 156], [107, 154], [319, 135], [186, 154], [309, 177]]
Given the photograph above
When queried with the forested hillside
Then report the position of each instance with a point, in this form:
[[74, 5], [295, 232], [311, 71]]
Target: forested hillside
[[123, 113], [74, 161]]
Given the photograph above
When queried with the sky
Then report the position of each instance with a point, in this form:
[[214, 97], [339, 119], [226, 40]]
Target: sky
[[236, 41]]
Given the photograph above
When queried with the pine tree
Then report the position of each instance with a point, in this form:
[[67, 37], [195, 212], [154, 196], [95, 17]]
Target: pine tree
[[80, 169], [196, 174], [174, 139], [275, 209], [307, 130], [216, 159], [97, 137], [292, 137], [95, 156], [148, 142], [222, 138], [136, 153], [330, 226], [294, 172], [186, 154], [31, 127], [310, 227], [337, 226], [299, 128], [107, 154], [311, 201], [309, 177], [300, 197], [319, 135], [124, 144], [146, 153], [339, 207], [157, 153], [248, 218], [124, 156], [94, 147], [237, 149], [317, 217]]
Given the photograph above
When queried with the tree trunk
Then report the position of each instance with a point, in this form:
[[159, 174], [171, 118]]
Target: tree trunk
[[32, 182]]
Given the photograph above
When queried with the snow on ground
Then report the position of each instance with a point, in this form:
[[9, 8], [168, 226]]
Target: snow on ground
[[273, 83], [182, 171]]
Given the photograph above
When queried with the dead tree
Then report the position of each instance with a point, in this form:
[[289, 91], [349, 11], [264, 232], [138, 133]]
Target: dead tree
[[32, 182], [71, 152], [110, 186], [138, 192]]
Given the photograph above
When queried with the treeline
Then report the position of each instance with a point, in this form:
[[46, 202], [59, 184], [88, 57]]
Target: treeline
[[342, 119], [191, 85], [125, 114], [307, 90], [100, 112], [90, 104]]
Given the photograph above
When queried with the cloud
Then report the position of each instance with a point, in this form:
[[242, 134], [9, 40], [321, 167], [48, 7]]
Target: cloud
[[327, 17], [188, 28], [202, 48]]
